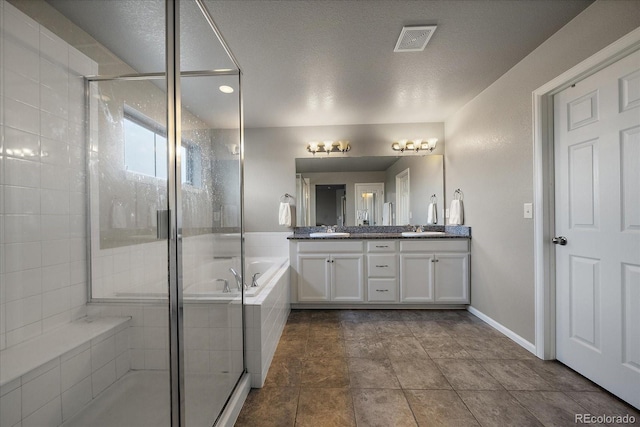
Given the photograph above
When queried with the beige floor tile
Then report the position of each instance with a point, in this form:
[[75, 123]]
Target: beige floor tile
[[560, 376], [420, 374], [601, 402], [439, 408], [515, 375], [284, 372], [269, 407], [551, 408], [497, 408], [372, 373], [325, 407], [325, 373], [443, 348], [467, 375], [367, 348], [382, 408], [404, 348]]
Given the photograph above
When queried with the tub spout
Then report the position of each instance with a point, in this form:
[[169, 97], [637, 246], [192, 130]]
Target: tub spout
[[254, 280], [237, 277], [226, 288]]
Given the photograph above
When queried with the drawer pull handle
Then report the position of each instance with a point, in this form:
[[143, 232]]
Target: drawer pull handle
[[382, 246], [435, 260], [382, 266], [382, 290]]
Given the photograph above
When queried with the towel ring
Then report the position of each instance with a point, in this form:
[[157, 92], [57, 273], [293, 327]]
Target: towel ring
[[458, 195], [286, 196], [434, 199]]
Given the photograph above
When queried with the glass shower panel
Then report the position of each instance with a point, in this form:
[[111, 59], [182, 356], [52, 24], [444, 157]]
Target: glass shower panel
[[212, 286]]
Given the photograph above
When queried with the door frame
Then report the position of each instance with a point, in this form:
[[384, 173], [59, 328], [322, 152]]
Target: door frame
[[544, 182]]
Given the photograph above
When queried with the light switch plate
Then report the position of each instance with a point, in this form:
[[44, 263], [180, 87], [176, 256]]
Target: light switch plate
[[528, 210]]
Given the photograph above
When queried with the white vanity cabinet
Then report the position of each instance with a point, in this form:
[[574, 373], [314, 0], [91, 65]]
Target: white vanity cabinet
[[330, 271], [434, 271], [411, 272]]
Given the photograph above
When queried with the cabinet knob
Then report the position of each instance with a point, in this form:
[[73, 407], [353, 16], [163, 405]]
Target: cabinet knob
[[382, 266]]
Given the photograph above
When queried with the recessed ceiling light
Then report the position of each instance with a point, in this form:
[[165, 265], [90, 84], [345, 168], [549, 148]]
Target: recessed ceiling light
[[226, 89]]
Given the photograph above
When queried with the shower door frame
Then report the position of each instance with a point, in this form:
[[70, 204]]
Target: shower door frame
[[173, 75]]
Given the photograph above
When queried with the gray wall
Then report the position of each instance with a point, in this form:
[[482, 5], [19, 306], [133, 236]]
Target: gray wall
[[270, 159], [490, 157]]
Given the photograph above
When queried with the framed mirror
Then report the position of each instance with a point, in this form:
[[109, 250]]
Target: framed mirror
[[424, 182]]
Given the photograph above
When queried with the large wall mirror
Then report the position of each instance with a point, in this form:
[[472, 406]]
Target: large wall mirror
[[376, 190]]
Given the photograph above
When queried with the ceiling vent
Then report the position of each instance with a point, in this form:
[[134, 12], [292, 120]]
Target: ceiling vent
[[414, 39]]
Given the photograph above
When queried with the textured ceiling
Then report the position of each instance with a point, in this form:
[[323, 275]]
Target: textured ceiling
[[329, 62], [324, 62]]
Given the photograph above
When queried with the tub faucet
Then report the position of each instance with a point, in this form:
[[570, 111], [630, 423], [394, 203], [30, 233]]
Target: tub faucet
[[254, 281], [238, 278], [226, 288]]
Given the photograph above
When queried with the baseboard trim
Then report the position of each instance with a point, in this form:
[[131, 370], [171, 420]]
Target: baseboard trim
[[234, 406], [503, 329]]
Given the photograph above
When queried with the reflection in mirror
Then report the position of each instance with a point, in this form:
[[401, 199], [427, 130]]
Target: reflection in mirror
[[427, 180]]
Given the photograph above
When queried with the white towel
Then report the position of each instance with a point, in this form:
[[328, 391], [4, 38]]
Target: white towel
[[386, 213], [432, 214], [456, 213], [284, 216]]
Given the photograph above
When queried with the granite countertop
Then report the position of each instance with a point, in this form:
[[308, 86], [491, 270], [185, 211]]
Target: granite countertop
[[384, 232]]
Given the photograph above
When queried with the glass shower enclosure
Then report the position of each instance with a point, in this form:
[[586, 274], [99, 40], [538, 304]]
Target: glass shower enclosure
[[157, 173]]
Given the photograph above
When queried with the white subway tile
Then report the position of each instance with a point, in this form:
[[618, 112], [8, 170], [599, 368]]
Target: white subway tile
[[76, 398], [156, 338], [21, 59], [18, 140], [77, 203], [75, 370], [55, 302], [48, 415], [196, 316], [122, 341], [103, 378], [55, 152], [137, 358], [21, 116], [21, 88], [55, 252], [75, 351], [77, 297], [77, 249], [156, 316], [54, 177], [103, 353], [55, 321], [11, 408], [55, 277], [156, 359], [22, 312], [54, 202], [21, 228], [21, 172], [22, 334], [53, 127], [21, 200], [40, 390], [54, 227], [123, 364]]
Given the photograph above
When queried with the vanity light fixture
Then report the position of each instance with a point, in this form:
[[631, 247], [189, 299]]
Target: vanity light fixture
[[328, 147], [416, 145]]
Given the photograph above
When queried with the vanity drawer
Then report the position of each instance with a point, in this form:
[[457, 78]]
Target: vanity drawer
[[382, 265], [381, 246], [382, 290], [435, 245], [330, 246]]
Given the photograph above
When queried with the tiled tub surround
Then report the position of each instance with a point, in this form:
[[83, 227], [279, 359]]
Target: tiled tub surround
[[42, 217], [48, 379]]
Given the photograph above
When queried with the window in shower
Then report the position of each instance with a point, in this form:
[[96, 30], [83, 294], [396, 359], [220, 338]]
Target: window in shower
[[145, 150]]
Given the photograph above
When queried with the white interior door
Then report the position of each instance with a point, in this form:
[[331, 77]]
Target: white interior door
[[403, 198], [369, 200], [597, 170]]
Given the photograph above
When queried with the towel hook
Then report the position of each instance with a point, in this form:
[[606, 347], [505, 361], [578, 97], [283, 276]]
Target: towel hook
[[458, 195], [433, 199], [286, 196]]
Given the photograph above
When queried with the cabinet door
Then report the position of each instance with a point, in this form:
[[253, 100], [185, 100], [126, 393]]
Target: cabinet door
[[347, 277], [416, 278], [452, 278], [313, 277]]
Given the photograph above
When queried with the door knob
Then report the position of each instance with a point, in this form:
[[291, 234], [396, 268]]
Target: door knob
[[560, 240]]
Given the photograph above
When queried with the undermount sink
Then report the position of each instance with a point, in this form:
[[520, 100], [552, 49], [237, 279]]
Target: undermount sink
[[421, 233], [333, 234]]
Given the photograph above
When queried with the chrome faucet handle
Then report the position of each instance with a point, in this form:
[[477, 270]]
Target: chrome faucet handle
[[254, 283], [226, 288]]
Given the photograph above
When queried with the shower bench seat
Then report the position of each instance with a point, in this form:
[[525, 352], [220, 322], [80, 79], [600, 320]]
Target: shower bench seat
[[37, 373]]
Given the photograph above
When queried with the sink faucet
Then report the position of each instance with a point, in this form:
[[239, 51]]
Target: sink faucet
[[238, 278], [331, 229], [254, 280], [226, 288]]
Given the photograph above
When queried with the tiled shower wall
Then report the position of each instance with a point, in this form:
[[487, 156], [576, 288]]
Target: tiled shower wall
[[42, 185]]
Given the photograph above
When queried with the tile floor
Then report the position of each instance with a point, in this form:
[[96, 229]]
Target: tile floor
[[414, 368]]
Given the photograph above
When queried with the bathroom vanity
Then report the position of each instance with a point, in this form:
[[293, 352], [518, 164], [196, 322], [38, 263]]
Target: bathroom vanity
[[380, 269]]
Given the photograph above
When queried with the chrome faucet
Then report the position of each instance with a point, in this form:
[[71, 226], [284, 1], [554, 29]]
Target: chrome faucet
[[254, 281], [331, 229], [226, 288], [238, 278]]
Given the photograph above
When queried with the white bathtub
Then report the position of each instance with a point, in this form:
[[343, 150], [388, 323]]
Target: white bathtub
[[213, 288]]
